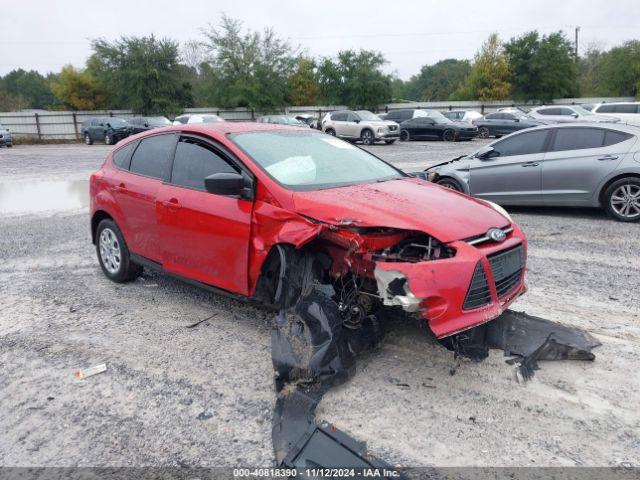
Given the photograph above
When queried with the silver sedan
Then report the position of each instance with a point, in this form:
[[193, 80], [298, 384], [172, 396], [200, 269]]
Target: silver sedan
[[570, 164]]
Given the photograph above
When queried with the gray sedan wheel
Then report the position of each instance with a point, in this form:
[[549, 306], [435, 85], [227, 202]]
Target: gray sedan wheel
[[483, 132], [623, 200], [450, 183], [449, 135]]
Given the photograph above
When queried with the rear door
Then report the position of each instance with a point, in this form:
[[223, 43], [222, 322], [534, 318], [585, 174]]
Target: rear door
[[514, 175], [578, 160], [136, 192], [204, 236]]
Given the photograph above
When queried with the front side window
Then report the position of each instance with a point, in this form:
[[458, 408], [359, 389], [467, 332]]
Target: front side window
[[301, 160], [549, 111], [578, 138], [152, 156], [523, 144], [194, 161]]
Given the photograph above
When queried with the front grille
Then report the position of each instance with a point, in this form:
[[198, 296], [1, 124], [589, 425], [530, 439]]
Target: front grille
[[393, 128], [479, 293], [506, 268]]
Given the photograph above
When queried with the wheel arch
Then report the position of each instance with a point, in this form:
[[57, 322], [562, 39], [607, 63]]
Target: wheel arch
[[611, 181], [97, 217]]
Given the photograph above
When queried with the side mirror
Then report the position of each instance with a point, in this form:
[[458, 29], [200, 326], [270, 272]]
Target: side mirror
[[574, 115], [486, 152], [516, 119], [224, 184], [357, 120], [109, 125]]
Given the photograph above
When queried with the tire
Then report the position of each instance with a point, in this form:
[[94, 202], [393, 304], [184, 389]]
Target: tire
[[367, 137], [483, 132], [449, 135], [87, 139], [389, 142], [108, 139], [330, 131], [9, 145], [113, 254], [622, 200], [451, 183], [404, 136]]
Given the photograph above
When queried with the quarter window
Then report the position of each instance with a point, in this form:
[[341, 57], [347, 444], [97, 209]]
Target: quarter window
[[523, 144], [612, 137], [578, 138], [196, 160], [122, 155], [626, 108], [152, 156]]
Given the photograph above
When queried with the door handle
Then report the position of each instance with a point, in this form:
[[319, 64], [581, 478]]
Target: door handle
[[172, 204], [608, 157], [530, 164]]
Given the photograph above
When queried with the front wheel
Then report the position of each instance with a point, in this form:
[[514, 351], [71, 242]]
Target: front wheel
[[450, 183], [113, 254], [449, 135], [367, 137], [404, 135], [622, 200], [108, 139], [483, 132]]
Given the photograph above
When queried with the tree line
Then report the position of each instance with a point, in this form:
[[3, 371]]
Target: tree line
[[235, 67]]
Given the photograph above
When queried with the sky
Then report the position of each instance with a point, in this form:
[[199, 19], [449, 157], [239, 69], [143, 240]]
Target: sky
[[46, 34]]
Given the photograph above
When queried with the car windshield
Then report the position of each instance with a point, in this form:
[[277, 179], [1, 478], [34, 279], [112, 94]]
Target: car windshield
[[582, 111], [367, 116], [437, 116], [158, 121], [305, 161], [211, 119], [116, 122], [291, 121]]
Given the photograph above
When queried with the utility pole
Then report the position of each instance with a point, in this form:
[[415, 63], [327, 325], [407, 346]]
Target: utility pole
[[576, 44]]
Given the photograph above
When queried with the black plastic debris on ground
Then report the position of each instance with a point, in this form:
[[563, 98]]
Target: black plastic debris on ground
[[527, 338], [312, 351]]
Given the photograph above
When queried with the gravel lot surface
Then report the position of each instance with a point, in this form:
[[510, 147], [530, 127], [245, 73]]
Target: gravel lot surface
[[204, 396]]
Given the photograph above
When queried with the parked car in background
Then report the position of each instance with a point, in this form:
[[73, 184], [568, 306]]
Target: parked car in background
[[5, 137], [110, 130], [626, 111], [569, 113], [142, 124], [588, 106], [403, 114], [567, 164], [382, 115], [194, 200], [520, 109], [435, 126], [197, 118], [498, 124], [467, 116], [310, 120], [281, 120], [360, 125]]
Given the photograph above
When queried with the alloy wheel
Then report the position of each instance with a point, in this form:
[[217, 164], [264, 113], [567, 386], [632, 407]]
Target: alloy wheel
[[87, 139], [110, 252], [449, 135], [367, 137], [483, 132], [625, 201]]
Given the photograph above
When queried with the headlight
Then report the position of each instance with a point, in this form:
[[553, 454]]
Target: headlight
[[500, 210]]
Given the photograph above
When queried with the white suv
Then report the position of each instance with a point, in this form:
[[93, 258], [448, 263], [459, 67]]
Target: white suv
[[569, 113], [628, 112], [360, 125]]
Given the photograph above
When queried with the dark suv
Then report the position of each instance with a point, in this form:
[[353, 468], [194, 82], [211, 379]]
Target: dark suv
[[110, 130], [142, 124]]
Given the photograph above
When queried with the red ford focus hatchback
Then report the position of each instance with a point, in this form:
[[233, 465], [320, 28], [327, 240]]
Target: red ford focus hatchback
[[217, 204]]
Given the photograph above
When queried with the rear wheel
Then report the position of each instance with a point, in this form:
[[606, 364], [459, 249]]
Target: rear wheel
[[113, 253], [622, 200], [404, 136], [449, 135], [450, 183], [483, 132], [367, 137], [330, 131], [87, 139], [9, 145], [108, 139]]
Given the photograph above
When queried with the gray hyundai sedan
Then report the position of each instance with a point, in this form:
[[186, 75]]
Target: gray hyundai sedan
[[570, 164]]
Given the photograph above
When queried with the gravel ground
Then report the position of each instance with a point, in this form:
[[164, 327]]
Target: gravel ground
[[203, 396]]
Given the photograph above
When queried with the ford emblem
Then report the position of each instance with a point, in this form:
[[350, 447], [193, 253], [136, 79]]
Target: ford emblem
[[496, 235]]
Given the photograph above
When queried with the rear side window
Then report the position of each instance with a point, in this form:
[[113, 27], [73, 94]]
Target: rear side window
[[578, 138], [612, 137], [627, 108], [152, 156], [550, 111], [606, 109], [196, 160], [338, 117], [122, 155], [494, 116], [523, 144]]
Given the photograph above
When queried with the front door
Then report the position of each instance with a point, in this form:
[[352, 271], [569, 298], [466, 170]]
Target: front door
[[204, 236], [513, 176]]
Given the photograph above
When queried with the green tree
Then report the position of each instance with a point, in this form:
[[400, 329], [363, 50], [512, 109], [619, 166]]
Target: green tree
[[31, 88], [303, 83], [355, 79], [438, 81], [488, 78], [247, 69], [141, 73], [78, 90], [612, 73], [542, 68]]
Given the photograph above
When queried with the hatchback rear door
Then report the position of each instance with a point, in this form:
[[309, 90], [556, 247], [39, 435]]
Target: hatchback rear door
[[204, 236], [578, 160]]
